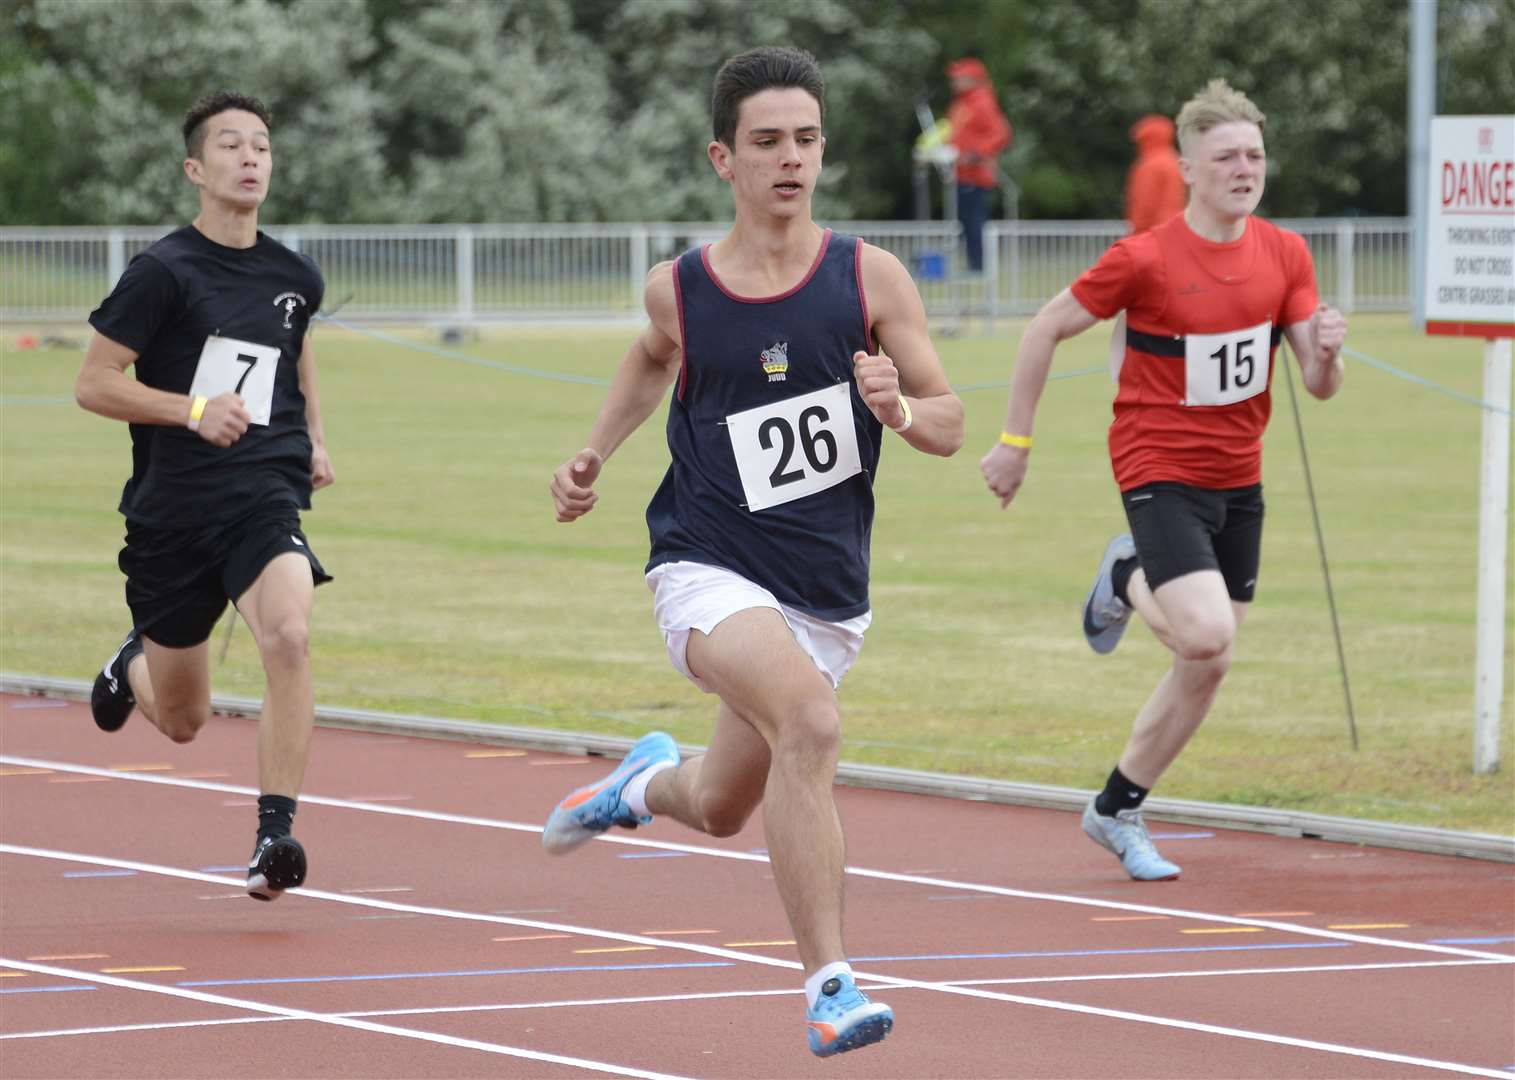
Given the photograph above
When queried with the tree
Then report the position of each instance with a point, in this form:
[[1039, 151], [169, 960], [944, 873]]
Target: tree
[[496, 115], [119, 78], [40, 159], [598, 110], [1332, 79]]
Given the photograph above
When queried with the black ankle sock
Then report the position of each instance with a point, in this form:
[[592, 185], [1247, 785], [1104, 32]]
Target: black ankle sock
[[1120, 577], [274, 815], [1119, 794]]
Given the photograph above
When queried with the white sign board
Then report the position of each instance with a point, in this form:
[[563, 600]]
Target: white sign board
[[1470, 227]]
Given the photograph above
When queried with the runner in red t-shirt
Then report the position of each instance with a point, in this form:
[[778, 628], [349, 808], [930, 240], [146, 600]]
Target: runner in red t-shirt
[[1206, 298]]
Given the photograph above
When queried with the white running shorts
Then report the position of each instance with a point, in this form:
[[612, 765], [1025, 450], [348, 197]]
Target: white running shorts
[[690, 596]]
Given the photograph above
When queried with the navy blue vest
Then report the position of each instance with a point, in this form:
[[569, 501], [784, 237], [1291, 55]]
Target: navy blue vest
[[742, 354]]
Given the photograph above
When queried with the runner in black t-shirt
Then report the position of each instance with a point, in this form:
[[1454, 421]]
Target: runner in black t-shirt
[[227, 446]]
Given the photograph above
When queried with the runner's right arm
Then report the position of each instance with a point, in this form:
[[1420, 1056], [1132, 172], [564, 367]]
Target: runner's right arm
[[1063, 317], [641, 381], [103, 387]]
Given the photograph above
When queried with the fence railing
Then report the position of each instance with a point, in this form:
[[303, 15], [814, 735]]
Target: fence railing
[[470, 273]]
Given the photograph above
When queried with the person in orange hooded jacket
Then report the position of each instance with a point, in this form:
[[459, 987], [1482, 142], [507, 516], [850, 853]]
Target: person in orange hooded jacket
[[1154, 186], [981, 133]]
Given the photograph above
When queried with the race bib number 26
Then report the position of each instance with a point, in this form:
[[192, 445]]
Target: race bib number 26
[[241, 367], [795, 447], [1222, 369]]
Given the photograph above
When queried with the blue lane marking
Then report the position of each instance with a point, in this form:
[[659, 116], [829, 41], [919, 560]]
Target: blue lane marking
[[1107, 952], [1472, 940], [656, 855], [45, 989], [460, 974], [99, 873]]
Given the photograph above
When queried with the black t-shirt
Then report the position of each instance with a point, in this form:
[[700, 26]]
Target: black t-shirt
[[205, 318]]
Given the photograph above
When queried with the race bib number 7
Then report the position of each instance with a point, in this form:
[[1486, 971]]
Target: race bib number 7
[[241, 367], [1222, 369], [795, 447]]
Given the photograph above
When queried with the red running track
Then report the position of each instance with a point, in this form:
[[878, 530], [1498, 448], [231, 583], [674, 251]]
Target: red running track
[[436, 939]]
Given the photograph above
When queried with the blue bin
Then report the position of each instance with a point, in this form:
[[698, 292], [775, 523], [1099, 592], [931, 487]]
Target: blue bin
[[931, 266]]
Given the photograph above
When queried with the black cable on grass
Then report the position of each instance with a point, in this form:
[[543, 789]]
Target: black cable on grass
[[1320, 539]]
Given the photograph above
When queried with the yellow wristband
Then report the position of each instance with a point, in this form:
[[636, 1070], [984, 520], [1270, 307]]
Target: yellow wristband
[[1023, 441], [909, 419], [197, 410]]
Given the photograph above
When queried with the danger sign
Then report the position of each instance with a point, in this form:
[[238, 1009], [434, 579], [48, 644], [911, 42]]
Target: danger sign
[[1470, 230]]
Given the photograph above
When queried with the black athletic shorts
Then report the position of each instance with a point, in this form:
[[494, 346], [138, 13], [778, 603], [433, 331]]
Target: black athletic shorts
[[179, 580], [1179, 529]]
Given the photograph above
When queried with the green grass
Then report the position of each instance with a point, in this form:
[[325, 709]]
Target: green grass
[[457, 595]]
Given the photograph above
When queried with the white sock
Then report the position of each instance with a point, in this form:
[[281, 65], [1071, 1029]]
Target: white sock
[[635, 792], [815, 982]]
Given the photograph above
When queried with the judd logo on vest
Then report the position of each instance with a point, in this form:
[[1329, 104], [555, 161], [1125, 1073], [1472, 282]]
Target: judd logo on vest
[[775, 360]]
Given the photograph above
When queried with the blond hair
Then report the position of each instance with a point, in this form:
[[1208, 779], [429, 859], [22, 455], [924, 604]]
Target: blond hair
[[1218, 103]]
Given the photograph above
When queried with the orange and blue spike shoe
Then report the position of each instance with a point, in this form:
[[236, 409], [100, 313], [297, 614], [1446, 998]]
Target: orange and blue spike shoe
[[844, 1019], [591, 810]]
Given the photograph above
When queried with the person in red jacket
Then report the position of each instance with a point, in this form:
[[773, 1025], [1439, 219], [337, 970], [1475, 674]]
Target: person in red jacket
[[981, 133], [1155, 185]]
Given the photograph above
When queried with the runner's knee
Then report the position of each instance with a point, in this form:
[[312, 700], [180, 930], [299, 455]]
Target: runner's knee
[[1205, 638], [1206, 672], [286, 644], [721, 815], [181, 723], [813, 728]]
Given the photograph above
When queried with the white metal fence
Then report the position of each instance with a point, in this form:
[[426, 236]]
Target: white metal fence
[[467, 273]]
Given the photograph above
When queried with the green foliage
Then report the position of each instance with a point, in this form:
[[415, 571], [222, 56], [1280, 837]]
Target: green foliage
[[556, 110], [1332, 78], [43, 107]]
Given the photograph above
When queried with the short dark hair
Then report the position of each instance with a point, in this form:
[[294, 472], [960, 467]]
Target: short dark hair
[[751, 72], [211, 104]]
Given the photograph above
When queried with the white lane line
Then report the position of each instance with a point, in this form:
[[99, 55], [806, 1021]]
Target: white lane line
[[767, 961], [643, 999], [1292, 970], [880, 875], [334, 1020]]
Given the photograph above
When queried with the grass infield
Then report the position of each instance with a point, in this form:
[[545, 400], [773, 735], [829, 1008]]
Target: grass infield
[[458, 595]]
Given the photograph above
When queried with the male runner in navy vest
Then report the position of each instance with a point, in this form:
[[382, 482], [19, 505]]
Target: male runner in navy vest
[[790, 349], [227, 446]]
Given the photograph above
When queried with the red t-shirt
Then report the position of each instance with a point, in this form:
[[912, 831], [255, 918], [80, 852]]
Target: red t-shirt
[[1203, 321]]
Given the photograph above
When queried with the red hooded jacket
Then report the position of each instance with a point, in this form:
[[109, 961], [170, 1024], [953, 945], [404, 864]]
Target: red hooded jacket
[[978, 125], [1154, 187]]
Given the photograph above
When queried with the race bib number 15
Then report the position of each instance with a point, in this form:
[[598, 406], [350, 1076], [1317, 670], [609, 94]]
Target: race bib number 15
[[795, 447], [1222, 369], [242, 367]]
